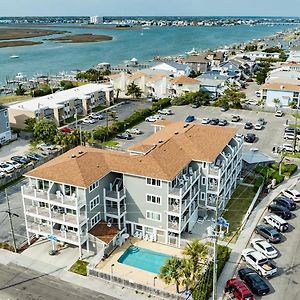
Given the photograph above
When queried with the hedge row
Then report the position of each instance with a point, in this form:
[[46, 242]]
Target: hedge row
[[104, 133], [205, 286]]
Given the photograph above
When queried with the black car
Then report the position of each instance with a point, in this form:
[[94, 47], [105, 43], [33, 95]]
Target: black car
[[248, 125], [34, 156], [124, 136], [250, 138], [285, 201], [20, 159], [214, 121], [224, 108], [268, 232], [280, 211], [195, 105], [255, 283], [223, 122]]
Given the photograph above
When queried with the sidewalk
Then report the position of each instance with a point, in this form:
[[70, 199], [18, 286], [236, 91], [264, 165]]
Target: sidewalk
[[93, 284], [244, 237]]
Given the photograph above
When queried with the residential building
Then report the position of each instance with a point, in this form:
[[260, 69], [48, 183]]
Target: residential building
[[285, 74], [278, 94], [183, 84], [88, 197], [96, 20], [213, 83], [197, 63], [61, 105], [294, 55], [173, 67], [254, 55], [5, 131]]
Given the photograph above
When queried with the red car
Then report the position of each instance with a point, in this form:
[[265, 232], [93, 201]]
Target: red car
[[66, 129], [239, 289]]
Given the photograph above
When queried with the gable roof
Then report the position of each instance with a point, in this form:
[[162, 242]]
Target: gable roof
[[184, 80], [279, 86], [196, 59], [163, 155]]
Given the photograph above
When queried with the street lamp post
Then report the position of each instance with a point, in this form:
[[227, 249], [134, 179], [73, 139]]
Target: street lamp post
[[154, 280], [112, 269]]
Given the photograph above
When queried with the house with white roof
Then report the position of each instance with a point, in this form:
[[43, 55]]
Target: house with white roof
[[171, 66], [61, 105]]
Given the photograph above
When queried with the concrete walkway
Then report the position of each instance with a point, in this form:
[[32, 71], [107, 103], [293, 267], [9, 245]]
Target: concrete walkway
[[93, 284], [234, 260]]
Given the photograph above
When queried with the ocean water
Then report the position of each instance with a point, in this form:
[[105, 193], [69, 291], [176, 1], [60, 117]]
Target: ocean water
[[53, 57]]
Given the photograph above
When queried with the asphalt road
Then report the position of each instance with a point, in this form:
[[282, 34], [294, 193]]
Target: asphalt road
[[18, 283]]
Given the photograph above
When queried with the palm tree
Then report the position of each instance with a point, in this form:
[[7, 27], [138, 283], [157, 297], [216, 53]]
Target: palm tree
[[276, 101], [187, 274], [171, 272]]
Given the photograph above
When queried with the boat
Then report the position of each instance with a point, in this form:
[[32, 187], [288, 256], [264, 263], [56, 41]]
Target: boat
[[192, 52], [14, 56]]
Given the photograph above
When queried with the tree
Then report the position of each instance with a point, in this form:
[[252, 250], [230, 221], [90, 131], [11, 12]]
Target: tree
[[134, 90], [262, 74], [276, 101], [45, 130], [231, 98], [30, 122], [20, 91], [66, 84], [171, 272], [201, 97]]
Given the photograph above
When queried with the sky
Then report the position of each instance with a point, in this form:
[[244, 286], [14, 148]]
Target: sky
[[150, 8]]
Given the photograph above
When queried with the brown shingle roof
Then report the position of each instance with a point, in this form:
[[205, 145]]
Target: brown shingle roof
[[166, 153], [103, 232], [184, 80], [196, 59], [279, 86]]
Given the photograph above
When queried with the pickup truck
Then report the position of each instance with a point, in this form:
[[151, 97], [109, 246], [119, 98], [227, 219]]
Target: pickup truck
[[259, 262]]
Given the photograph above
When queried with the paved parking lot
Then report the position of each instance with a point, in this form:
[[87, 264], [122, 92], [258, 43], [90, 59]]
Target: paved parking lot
[[267, 138], [285, 285]]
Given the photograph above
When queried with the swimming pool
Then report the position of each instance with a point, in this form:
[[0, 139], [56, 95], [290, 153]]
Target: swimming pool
[[144, 259]]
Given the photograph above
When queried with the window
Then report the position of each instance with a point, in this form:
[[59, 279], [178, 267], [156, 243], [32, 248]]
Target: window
[[154, 216], [94, 202], [203, 180], [202, 196], [93, 186], [152, 181], [5, 113], [153, 199], [95, 220], [204, 165]]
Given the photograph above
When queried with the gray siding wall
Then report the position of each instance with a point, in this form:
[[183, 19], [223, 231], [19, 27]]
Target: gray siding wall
[[136, 204], [103, 183], [4, 120]]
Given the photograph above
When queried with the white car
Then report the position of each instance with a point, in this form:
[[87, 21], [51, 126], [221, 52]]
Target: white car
[[165, 111], [89, 121], [290, 136], [14, 164], [264, 247], [206, 120], [292, 194], [154, 118], [7, 168], [258, 126], [258, 93], [2, 174], [134, 131], [259, 262], [289, 148], [279, 113], [45, 147], [97, 116]]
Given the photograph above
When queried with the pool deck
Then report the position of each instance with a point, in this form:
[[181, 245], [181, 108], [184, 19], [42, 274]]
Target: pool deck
[[135, 274]]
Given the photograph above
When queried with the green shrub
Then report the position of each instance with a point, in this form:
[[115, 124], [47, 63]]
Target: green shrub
[[279, 178], [258, 182], [289, 169]]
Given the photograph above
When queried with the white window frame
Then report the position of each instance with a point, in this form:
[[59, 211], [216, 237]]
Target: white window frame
[[94, 202], [203, 180], [95, 219], [156, 181], [150, 216], [202, 196], [93, 186], [204, 165], [156, 198]]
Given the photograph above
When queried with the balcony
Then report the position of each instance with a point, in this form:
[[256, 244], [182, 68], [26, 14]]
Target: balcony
[[116, 195], [55, 199], [173, 225], [184, 183], [214, 170], [114, 210]]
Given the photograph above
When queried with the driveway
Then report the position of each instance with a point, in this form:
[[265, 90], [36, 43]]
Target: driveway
[[18, 147]]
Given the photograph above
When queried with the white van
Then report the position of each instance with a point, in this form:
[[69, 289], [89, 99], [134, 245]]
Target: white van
[[276, 222]]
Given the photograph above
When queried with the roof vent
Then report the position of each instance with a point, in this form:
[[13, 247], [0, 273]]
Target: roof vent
[[80, 152], [160, 141], [176, 132], [282, 87], [186, 125], [73, 156]]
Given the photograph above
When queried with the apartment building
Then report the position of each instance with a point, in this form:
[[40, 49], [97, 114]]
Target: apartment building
[[61, 105], [89, 197], [5, 131]]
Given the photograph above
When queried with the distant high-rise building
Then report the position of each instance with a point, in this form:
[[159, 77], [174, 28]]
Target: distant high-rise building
[[96, 20]]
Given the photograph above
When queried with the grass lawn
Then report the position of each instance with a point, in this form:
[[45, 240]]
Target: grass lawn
[[98, 108], [13, 98], [238, 206], [79, 267], [110, 143]]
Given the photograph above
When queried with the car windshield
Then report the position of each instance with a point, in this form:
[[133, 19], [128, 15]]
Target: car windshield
[[263, 261], [270, 249]]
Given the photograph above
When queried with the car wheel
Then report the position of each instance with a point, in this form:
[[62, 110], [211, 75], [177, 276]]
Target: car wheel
[[269, 210], [243, 258], [259, 273], [265, 221]]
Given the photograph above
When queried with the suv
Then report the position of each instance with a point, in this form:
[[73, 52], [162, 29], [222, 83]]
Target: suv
[[280, 211], [292, 194], [239, 290], [268, 232], [189, 119], [261, 121], [248, 125], [214, 121], [165, 111], [255, 283], [276, 222], [250, 138], [285, 201], [279, 113], [235, 119]]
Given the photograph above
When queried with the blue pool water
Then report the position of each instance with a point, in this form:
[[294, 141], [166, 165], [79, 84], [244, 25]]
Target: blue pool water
[[144, 259]]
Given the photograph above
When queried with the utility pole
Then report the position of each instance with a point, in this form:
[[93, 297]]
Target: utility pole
[[215, 265], [10, 214]]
